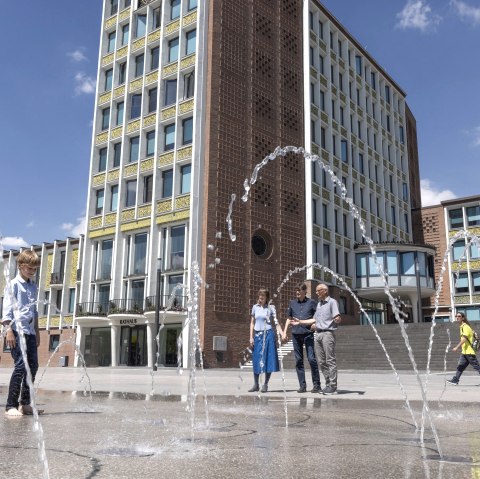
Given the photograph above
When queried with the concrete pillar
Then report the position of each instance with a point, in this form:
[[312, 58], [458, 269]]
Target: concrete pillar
[[115, 337], [414, 299], [151, 345], [80, 343]]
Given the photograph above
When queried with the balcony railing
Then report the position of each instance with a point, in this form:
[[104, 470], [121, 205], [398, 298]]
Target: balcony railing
[[56, 278], [92, 309], [126, 306], [177, 304]]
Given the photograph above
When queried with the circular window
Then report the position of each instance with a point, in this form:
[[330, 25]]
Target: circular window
[[262, 244]]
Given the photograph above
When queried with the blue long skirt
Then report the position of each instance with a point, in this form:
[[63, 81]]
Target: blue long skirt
[[265, 357]]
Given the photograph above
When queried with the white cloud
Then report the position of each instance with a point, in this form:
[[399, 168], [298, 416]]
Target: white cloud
[[30, 224], [431, 195], [77, 229], [417, 14], [77, 55], [475, 133], [13, 242], [84, 84], [466, 11]]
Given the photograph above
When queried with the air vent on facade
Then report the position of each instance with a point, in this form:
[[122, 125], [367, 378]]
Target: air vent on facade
[[219, 343]]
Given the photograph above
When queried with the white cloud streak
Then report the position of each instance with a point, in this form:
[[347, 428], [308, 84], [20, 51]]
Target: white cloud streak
[[77, 55], [84, 84], [431, 195], [417, 15], [466, 12], [75, 230], [13, 242]]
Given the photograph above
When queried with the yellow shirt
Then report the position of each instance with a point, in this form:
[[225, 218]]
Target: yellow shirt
[[467, 331]]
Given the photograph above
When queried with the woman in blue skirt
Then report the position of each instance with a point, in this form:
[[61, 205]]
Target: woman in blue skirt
[[263, 340]]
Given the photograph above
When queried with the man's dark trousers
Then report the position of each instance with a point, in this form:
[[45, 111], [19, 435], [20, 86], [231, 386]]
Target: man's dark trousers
[[299, 340]]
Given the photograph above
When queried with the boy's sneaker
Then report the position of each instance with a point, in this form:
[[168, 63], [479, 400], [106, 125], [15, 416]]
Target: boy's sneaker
[[329, 390], [316, 389], [452, 381]]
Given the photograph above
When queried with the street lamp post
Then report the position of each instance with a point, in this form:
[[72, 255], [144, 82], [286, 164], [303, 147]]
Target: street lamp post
[[419, 293], [156, 339]]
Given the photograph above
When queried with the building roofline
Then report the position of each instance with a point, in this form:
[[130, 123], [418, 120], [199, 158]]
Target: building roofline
[[464, 199]]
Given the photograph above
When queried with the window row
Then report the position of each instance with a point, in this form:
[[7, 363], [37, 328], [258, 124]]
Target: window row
[[464, 217], [461, 252], [467, 282], [331, 257]]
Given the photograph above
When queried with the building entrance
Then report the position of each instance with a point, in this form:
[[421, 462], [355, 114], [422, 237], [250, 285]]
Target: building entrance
[[169, 345], [133, 346]]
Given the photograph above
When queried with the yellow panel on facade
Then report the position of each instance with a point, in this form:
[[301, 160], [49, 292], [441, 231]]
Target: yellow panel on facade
[[42, 322], [146, 165], [108, 59], [96, 222], [122, 52], [149, 120], [140, 43], [145, 211], [172, 26], [128, 215], [110, 22], [326, 234], [164, 206], [102, 232], [186, 106], [169, 112], [105, 97], [73, 268], [98, 179], [182, 202], [55, 321], [188, 61], [151, 78], [67, 320], [189, 19], [110, 219], [133, 125], [135, 225], [170, 69], [120, 91], [135, 84], [49, 270], [124, 14], [116, 132], [166, 159], [154, 36], [101, 138], [184, 153], [181, 215], [113, 175], [130, 170]]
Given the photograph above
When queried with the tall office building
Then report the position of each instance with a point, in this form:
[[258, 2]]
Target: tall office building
[[190, 97]]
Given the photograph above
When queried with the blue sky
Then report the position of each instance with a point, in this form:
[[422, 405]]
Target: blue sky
[[47, 86]]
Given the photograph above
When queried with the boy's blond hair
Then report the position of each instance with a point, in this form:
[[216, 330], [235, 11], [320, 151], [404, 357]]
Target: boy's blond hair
[[29, 258]]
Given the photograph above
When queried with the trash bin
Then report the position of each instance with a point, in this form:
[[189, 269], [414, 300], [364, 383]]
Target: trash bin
[[63, 361]]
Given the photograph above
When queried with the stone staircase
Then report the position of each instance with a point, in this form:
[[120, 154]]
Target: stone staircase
[[357, 347]]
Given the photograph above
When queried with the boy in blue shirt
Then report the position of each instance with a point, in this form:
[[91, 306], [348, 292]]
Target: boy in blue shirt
[[20, 311]]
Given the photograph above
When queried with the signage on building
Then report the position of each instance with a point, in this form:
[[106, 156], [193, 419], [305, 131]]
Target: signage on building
[[128, 321]]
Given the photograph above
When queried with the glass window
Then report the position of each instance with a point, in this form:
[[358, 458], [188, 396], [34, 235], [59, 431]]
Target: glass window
[[173, 281], [167, 183], [99, 195], [108, 79], [407, 264], [105, 118], [461, 284], [157, 18], [191, 42], [138, 292], [373, 80], [154, 58], [139, 62], [136, 106], [152, 100], [173, 50], [187, 128], [54, 339], [456, 218], [122, 73], [402, 138], [422, 264], [147, 189], [130, 197], [458, 250], [103, 296], [111, 42], [127, 3], [387, 93], [113, 7], [170, 92], [106, 260], [134, 149], [117, 154], [114, 198], [189, 85], [373, 265], [150, 143], [185, 174], [326, 255], [125, 33], [361, 265], [474, 251], [102, 160], [392, 267], [169, 132], [175, 9], [358, 64], [476, 281], [71, 300], [140, 25], [177, 250], [192, 4], [140, 253], [120, 113], [473, 216], [344, 151]]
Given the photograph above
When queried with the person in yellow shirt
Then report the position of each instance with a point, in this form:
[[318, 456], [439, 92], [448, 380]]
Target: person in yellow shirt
[[468, 353]]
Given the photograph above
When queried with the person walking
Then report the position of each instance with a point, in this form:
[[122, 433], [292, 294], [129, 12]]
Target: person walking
[[262, 340], [21, 296], [468, 355], [303, 308]]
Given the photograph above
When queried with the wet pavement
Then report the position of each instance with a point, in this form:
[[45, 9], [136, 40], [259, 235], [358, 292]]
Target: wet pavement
[[136, 425]]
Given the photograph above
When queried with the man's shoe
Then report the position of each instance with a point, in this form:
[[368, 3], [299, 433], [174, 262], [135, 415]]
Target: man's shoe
[[254, 389], [329, 390], [452, 381], [302, 389], [316, 389], [264, 388]]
